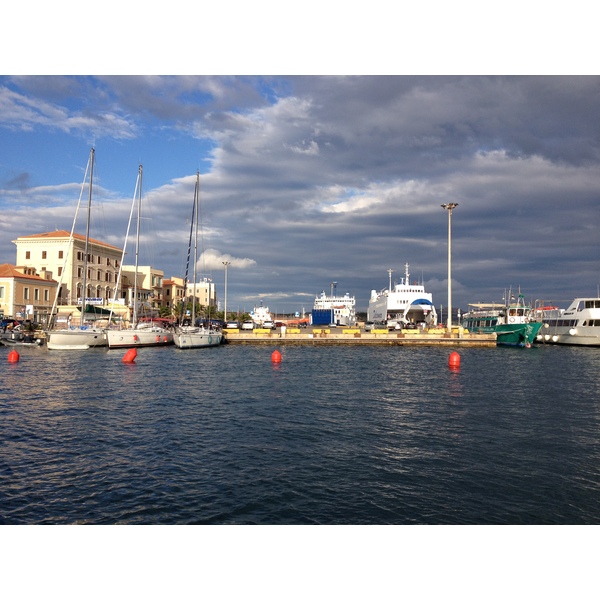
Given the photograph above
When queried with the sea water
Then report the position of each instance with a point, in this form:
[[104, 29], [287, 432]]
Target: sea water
[[330, 435]]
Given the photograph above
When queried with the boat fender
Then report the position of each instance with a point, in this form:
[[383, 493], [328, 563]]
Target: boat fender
[[165, 340], [157, 338], [136, 338]]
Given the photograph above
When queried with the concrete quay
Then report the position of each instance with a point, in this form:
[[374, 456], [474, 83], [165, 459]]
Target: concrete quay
[[359, 337]]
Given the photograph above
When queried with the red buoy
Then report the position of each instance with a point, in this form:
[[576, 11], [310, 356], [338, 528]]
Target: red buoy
[[13, 356], [276, 356], [130, 355], [454, 360]]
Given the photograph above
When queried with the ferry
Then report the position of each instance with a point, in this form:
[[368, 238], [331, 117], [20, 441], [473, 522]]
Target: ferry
[[334, 310], [578, 325], [402, 305], [514, 323]]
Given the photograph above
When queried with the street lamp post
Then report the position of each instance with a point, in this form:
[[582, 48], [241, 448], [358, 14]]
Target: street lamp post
[[449, 207], [226, 263]]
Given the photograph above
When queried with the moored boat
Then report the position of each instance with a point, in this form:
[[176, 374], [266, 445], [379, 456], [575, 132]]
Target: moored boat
[[514, 323], [334, 309], [193, 335], [140, 333], [85, 335], [578, 325], [402, 304]]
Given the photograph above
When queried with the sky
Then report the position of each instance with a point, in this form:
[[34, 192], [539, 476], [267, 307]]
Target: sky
[[313, 177]]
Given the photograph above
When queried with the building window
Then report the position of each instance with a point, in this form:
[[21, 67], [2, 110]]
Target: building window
[[1, 292], [44, 255], [36, 294], [60, 271], [25, 293], [46, 295], [27, 255], [60, 254], [108, 262]]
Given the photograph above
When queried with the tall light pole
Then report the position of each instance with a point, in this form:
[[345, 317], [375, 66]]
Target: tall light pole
[[226, 263], [449, 207]]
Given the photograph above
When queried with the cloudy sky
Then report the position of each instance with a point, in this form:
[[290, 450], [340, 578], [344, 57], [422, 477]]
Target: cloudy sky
[[312, 179]]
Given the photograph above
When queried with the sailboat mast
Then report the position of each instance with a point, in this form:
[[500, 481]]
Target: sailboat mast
[[87, 238], [137, 248], [196, 194]]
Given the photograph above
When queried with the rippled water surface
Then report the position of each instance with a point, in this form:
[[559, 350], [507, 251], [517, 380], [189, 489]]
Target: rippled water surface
[[335, 435]]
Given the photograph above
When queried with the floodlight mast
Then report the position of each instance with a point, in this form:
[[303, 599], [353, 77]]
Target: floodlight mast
[[449, 207]]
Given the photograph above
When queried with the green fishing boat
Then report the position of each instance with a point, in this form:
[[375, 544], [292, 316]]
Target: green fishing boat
[[514, 324]]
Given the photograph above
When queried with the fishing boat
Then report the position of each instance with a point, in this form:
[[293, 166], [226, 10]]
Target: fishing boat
[[144, 333], [514, 323], [403, 304], [188, 333], [578, 325], [83, 336]]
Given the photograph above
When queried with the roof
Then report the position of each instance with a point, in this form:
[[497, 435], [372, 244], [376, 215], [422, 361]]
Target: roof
[[62, 234], [7, 270]]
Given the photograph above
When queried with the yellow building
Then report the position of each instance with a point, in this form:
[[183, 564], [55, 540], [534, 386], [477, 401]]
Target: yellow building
[[172, 293], [26, 295], [63, 256]]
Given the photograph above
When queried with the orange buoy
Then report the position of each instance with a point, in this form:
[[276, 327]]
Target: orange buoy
[[130, 355], [13, 356], [454, 360], [276, 356]]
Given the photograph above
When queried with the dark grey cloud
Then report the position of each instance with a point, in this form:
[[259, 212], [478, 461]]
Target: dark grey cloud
[[319, 179]]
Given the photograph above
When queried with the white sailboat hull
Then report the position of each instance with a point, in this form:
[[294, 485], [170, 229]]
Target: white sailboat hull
[[133, 338], [76, 339], [196, 338]]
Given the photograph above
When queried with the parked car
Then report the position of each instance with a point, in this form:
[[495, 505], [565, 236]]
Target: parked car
[[268, 325], [247, 325], [232, 325], [369, 326]]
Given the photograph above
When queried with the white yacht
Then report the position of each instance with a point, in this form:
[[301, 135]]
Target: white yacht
[[261, 316], [578, 325], [402, 304], [84, 336]]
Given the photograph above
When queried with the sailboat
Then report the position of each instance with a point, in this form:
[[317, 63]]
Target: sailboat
[[193, 336], [83, 336], [140, 333]]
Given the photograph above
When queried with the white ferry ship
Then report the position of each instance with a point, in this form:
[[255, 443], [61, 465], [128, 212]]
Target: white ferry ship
[[334, 310], [402, 305], [262, 317], [578, 325]]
